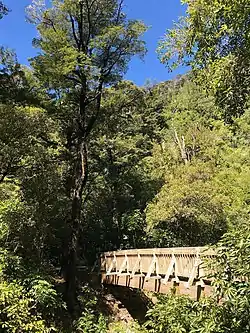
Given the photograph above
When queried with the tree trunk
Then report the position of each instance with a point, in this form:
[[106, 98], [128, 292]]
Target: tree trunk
[[182, 147], [79, 159], [78, 182]]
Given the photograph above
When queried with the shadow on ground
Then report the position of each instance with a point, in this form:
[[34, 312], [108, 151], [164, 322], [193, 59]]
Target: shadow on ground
[[135, 301]]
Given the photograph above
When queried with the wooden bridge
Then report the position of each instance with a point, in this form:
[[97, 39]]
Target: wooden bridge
[[181, 270]]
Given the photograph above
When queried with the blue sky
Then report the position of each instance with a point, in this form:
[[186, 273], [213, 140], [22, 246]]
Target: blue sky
[[158, 14]]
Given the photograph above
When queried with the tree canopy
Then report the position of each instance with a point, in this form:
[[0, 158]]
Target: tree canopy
[[214, 36]]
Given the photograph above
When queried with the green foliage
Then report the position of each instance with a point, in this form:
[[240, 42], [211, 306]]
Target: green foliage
[[48, 301], [11, 267], [209, 31], [90, 320], [231, 277], [121, 327], [233, 262], [170, 315], [27, 159], [119, 183], [230, 280], [101, 51], [85, 47], [204, 167], [214, 36], [177, 314], [28, 303], [16, 311], [3, 10], [90, 163], [87, 323]]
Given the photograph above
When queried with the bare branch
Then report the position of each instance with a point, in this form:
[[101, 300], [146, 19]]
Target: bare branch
[[182, 147], [119, 11], [89, 21], [80, 28], [74, 31], [71, 78], [48, 21]]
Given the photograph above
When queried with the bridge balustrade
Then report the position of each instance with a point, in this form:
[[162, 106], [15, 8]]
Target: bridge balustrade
[[180, 270]]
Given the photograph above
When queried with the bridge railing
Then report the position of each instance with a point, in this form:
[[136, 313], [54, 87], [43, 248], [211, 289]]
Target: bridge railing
[[182, 266]]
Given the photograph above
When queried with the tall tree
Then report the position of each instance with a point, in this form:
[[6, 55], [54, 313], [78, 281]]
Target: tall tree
[[85, 46], [117, 196]]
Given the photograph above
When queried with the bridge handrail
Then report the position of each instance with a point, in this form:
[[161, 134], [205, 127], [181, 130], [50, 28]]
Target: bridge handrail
[[159, 251], [159, 263]]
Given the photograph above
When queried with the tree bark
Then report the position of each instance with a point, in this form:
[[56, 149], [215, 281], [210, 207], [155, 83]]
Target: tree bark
[[78, 182]]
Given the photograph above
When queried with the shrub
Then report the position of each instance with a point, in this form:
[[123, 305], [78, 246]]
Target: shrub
[[179, 314], [18, 312]]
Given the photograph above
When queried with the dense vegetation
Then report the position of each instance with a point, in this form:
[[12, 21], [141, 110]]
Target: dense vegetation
[[90, 162]]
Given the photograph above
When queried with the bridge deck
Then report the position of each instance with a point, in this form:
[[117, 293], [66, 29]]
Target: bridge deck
[[181, 270]]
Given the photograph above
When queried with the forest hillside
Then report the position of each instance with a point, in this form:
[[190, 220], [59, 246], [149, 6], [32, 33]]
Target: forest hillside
[[91, 162]]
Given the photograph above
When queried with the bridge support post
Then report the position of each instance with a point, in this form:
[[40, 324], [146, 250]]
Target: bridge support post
[[176, 287], [200, 291]]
